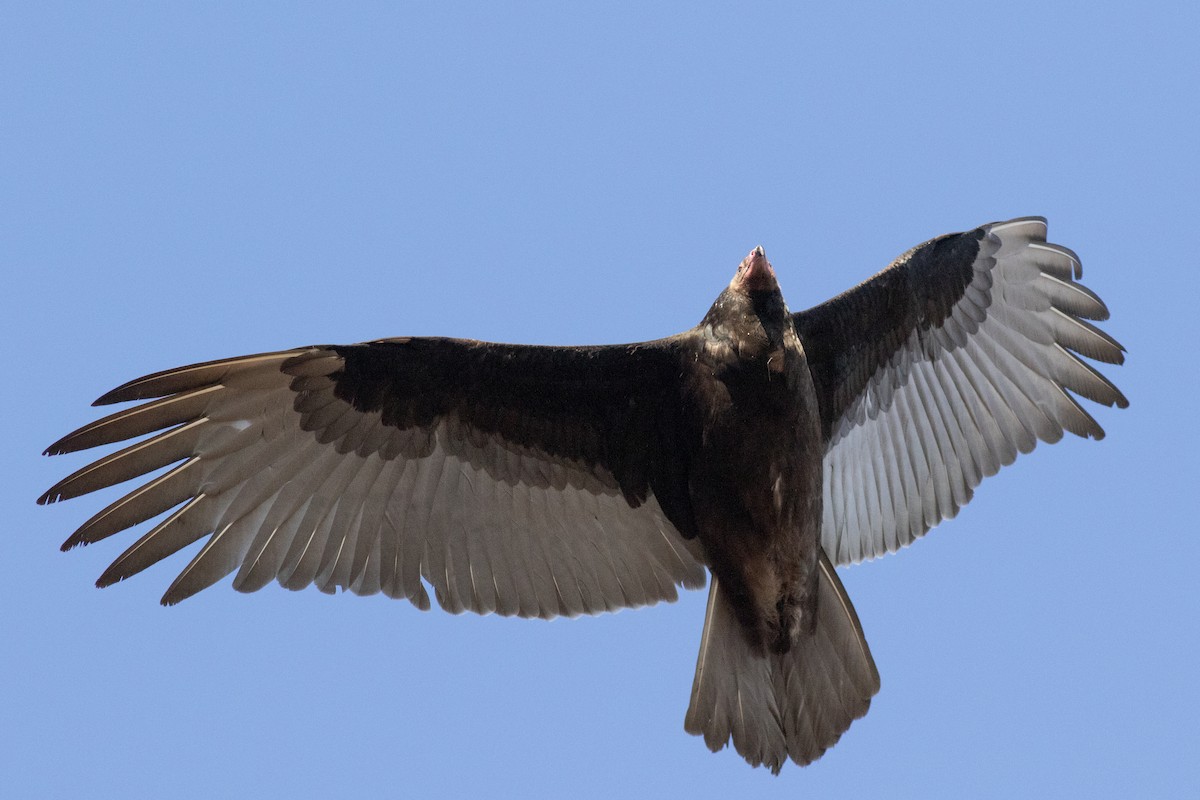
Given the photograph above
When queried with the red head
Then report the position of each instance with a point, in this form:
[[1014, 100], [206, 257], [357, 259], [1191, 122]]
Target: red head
[[754, 274]]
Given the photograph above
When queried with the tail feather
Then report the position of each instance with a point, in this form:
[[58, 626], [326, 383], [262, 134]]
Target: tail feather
[[792, 705]]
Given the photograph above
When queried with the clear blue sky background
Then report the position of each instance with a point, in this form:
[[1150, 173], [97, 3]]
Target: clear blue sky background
[[187, 181]]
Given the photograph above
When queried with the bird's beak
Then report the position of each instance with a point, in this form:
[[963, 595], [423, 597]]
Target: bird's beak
[[755, 274]]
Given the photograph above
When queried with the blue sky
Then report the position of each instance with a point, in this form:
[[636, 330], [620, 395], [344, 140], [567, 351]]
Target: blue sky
[[189, 181]]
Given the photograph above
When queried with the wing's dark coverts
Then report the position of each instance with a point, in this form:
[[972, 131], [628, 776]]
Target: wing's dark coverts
[[546, 481], [938, 370]]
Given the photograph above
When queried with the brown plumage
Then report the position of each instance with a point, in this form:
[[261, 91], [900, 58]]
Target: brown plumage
[[543, 481]]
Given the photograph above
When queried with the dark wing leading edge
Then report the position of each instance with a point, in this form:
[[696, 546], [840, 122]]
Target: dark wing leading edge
[[937, 371], [534, 481]]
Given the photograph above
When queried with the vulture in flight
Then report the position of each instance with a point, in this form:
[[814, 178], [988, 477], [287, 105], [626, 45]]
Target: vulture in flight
[[764, 446]]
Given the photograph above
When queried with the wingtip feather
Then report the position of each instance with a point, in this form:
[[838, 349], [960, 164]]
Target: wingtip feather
[[116, 395]]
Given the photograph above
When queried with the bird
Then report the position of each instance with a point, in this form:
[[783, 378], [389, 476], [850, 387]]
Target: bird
[[757, 451]]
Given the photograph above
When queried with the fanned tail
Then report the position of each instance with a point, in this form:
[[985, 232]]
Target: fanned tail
[[792, 705]]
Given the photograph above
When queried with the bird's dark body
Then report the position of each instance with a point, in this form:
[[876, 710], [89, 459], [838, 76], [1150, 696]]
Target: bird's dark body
[[757, 493], [545, 481]]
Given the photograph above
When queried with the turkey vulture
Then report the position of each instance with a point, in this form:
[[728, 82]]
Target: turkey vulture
[[543, 481]]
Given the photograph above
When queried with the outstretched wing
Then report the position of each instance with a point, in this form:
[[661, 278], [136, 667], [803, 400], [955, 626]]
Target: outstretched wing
[[534, 481], [937, 371]]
